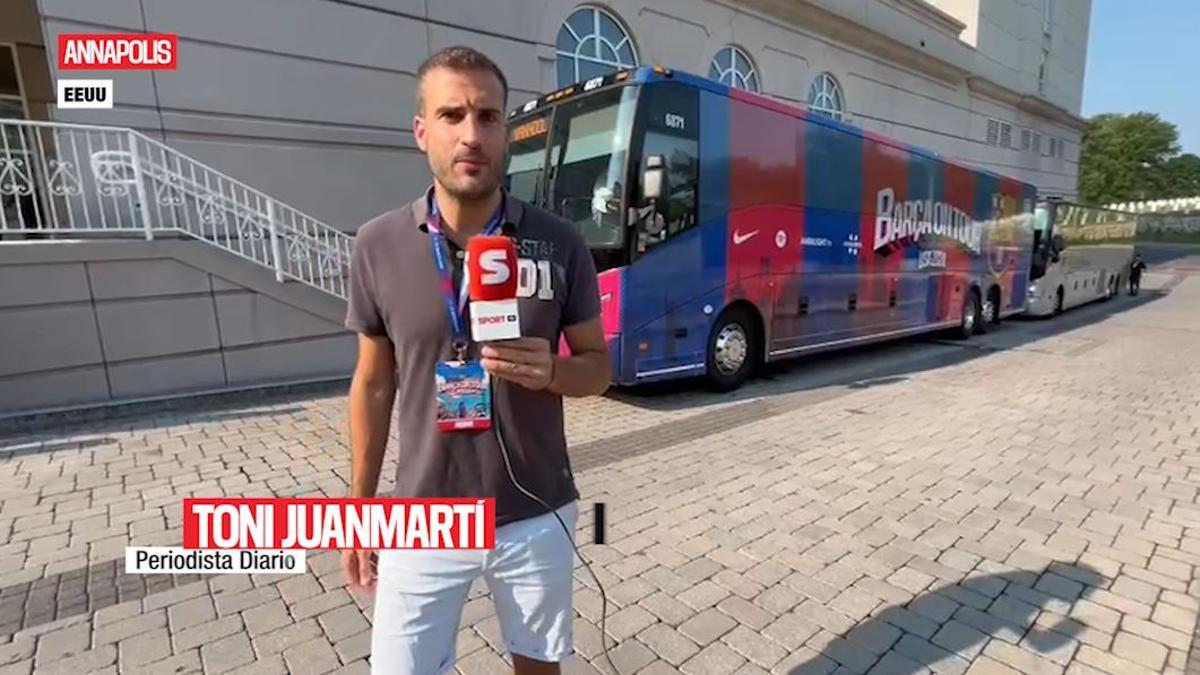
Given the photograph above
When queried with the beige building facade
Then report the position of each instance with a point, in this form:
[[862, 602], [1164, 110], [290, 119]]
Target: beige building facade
[[311, 102]]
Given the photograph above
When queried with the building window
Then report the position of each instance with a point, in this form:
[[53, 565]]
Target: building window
[[12, 103], [999, 133], [592, 42], [1055, 148], [733, 67], [825, 97]]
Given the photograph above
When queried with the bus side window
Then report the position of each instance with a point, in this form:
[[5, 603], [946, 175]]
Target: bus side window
[[672, 130], [678, 203]]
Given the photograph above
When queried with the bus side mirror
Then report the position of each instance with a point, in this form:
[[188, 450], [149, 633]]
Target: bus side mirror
[[653, 178]]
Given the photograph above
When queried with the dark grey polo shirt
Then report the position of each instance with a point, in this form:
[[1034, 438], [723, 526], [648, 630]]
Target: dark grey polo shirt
[[394, 292]]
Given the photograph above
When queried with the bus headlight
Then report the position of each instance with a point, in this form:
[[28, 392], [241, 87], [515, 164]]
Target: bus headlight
[[1032, 291]]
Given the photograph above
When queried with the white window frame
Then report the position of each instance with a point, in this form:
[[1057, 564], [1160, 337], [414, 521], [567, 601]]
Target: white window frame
[[999, 134], [576, 56], [814, 95], [739, 79]]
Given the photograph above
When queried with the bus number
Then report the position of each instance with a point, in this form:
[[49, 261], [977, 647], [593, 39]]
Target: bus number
[[593, 83], [674, 121]]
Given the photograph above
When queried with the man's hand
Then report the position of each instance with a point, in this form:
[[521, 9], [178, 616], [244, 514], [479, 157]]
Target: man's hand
[[526, 361], [359, 566]]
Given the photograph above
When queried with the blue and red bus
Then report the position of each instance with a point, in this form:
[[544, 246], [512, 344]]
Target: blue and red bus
[[731, 229]]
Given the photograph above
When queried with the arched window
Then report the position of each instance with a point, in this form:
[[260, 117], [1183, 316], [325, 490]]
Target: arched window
[[733, 67], [825, 97], [592, 42]]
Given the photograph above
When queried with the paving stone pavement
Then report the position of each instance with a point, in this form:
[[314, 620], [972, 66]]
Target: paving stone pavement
[[1022, 502]]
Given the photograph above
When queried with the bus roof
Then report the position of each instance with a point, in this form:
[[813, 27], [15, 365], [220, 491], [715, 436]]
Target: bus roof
[[1093, 207], [659, 73]]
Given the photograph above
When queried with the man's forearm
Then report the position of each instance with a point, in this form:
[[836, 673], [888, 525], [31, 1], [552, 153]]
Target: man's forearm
[[586, 374], [370, 418]]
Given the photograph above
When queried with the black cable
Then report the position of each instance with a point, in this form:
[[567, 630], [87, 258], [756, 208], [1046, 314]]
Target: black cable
[[570, 538]]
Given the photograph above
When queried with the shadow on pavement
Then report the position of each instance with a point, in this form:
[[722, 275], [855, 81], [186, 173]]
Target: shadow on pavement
[[947, 627], [877, 365], [15, 450], [153, 415]]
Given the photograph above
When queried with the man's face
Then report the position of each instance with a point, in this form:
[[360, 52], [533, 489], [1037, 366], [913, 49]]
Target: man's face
[[461, 129]]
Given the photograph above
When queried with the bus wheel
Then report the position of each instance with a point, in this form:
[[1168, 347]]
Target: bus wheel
[[732, 350], [970, 321]]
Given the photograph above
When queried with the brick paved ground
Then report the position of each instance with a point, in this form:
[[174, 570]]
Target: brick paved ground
[[1026, 502]]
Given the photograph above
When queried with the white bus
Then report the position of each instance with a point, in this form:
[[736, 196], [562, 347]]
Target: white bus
[[1081, 254]]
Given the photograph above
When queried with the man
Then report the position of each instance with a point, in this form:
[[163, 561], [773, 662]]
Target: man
[[404, 321], [1135, 274]]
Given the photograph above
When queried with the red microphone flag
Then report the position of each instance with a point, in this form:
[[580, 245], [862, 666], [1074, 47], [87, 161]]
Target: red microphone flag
[[492, 282], [492, 262]]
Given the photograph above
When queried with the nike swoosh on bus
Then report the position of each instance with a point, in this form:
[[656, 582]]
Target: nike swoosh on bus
[[740, 238]]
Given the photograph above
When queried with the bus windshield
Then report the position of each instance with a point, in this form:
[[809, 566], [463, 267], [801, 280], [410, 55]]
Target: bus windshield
[[581, 178]]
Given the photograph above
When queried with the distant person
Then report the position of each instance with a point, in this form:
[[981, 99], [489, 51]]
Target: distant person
[[1135, 274]]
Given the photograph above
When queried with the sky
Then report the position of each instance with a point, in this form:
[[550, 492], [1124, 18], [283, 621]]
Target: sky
[[1145, 55]]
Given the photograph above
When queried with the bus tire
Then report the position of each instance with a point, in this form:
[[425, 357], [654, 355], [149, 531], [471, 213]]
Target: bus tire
[[969, 322], [733, 348]]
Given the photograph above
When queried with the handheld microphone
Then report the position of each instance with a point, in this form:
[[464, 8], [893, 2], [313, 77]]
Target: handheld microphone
[[492, 275]]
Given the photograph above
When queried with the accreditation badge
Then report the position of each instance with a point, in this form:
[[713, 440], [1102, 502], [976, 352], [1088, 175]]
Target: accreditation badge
[[464, 396]]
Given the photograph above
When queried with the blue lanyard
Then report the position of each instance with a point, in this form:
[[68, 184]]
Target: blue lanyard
[[455, 306]]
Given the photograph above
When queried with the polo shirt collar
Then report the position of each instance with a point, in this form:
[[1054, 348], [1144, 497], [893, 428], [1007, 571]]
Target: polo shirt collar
[[514, 209]]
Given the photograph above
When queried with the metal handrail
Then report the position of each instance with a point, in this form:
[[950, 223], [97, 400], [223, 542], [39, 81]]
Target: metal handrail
[[79, 178]]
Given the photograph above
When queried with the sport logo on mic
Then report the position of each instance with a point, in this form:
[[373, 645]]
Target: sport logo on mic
[[492, 273]]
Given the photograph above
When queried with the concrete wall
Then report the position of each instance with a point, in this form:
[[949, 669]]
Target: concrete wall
[[1009, 36], [97, 322], [266, 92]]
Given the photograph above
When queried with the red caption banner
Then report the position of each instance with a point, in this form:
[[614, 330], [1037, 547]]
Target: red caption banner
[[118, 51], [338, 523]]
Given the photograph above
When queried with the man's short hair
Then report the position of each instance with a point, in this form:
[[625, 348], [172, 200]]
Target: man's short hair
[[461, 59]]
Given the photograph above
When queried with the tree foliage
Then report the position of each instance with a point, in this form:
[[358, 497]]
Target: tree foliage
[[1135, 157]]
